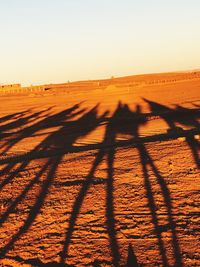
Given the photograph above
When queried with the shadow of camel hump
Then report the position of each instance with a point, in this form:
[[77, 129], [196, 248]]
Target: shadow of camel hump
[[27, 132], [108, 138], [120, 116], [58, 140], [136, 120], [62, 133], [184, 116]]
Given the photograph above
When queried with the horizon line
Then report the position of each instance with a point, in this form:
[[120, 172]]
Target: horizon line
[[104, 79]]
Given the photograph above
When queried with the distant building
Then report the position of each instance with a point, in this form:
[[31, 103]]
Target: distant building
[[17, 88], [10, 88]]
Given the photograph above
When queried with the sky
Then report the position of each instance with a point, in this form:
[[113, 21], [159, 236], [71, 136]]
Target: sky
[[52, 41]]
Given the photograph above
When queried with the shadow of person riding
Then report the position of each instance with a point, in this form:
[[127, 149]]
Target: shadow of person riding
[[60, 141], [39, 123], [12, 130], [57, 143], [135, 119], [107, 150], [15, 131], [182, 116]]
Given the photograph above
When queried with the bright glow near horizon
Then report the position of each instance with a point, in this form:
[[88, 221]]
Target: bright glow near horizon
[[49, 41]]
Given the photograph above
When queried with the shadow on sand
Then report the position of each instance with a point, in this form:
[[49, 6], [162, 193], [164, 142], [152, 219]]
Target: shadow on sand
[[72, 124]]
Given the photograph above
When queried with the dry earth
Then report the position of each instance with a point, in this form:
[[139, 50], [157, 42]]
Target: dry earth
[[86, 180]]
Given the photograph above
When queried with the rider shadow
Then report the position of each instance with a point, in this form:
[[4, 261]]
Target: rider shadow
[[123, 121], [18, 128], [137, 119], [107, 150], [61, 141], [191, 118], [13, 128], [183, 116], [27, 132]]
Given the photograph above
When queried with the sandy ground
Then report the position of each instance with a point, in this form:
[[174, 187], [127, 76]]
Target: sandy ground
[[94, 177]]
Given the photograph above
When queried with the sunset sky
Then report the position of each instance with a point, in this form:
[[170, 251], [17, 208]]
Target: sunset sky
[[49, 41]]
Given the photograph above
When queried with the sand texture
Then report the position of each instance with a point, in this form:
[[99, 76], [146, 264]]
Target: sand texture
[[102, 173]]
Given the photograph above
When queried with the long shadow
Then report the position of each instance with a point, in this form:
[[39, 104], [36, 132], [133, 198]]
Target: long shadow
[[10, 117], [12, 129], [181, 115], [62, 140], [109, 138], [108, 147], [146, 160], [28, 126], [27, 132], [58, 140], [191, 119], [12, 123], [17, 134]]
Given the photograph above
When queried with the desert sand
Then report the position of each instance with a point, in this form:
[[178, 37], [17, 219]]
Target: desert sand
[[102, 173]]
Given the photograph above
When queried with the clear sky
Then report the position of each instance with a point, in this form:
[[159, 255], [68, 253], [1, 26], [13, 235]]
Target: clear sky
[[44, 41]]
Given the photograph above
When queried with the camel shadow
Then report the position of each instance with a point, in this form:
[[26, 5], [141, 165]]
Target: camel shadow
[[72, 124], [184, 116], [59, 141]]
